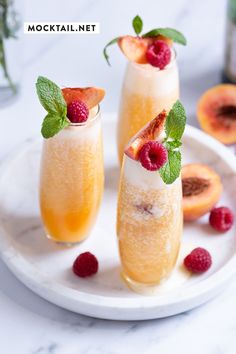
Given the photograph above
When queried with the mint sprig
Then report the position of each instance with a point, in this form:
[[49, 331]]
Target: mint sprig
[[170, 33], [175, 121], [52, 124], [50, 96], [171, 170], [174, 129], [137, 24], [113, 41], [52, 100], [172, 144]]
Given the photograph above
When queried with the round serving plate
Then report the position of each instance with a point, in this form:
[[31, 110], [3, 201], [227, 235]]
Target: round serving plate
[[45, 267]]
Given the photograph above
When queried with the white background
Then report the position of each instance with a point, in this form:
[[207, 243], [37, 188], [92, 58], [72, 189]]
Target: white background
[[30, 325]]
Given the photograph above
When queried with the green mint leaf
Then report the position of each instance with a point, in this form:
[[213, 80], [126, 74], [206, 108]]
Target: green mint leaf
[[113, 41], [174, 144], [50, 96], [137, 24], [171, 33], [175, 121], [52, 124], [171, 170]]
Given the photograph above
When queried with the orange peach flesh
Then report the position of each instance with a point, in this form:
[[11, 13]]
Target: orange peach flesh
[[135, 48], [209, 107], [196, 206], [91, 96]]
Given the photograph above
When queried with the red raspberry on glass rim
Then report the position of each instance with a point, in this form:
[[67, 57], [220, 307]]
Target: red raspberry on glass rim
[[221, 219], [159, 54], [77, 111], [153, 155], [198, 261], [85, 265]]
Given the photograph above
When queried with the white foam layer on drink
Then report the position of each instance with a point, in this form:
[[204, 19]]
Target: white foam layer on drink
[[147, 80], [80, 133], [138, 176]]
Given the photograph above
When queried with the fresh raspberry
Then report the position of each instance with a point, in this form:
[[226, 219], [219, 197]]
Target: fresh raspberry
[[77, 111], [153, 155], [85, 265], [158, 54], [198, 261], [221, 219]]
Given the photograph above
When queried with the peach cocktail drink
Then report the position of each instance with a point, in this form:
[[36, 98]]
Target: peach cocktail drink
[[71, 183], [151, 81], [149, 215], [72, 174], [146, 92]]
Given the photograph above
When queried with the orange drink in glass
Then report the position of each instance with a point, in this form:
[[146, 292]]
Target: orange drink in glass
[[149, 217], [72, 178], [146, 91]]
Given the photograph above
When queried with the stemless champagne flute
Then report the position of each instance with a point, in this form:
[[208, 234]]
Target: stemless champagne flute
[[149, 213], [72, 178], [72, 173], [151, 81], [147, 90]]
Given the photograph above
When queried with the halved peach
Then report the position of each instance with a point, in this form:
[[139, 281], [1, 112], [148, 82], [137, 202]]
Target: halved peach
[[135, 48], [216, 112], [91, 96], [202, 189], [150, 132]]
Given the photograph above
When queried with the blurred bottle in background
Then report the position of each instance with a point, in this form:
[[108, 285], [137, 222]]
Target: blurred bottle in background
[[229, 73], [10, 50]]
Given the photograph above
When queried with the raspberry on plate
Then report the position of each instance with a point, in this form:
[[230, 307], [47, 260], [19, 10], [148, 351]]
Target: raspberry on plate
[[198, 261], [153, 155], [221, 219], [77, 111], [85, 265], [158, 54]]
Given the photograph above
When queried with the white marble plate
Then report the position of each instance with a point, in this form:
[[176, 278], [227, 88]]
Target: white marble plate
[[45, 267]]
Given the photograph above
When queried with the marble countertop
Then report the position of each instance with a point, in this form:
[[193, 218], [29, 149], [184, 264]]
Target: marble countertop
[[29, 324]]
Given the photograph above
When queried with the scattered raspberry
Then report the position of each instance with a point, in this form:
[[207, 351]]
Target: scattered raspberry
[[158, 54], [153, 155], [77, 111], [221, 219], [85, 265], [198, 261]]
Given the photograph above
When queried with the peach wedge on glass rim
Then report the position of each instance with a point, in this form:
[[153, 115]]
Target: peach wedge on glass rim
[[91, 96]]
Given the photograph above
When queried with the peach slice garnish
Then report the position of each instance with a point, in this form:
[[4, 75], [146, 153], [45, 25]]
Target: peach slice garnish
[[135, 48], [150, 132], [91, 96]]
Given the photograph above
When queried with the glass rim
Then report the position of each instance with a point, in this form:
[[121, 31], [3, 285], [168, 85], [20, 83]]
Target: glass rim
[[144, 66], [87, 122]]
